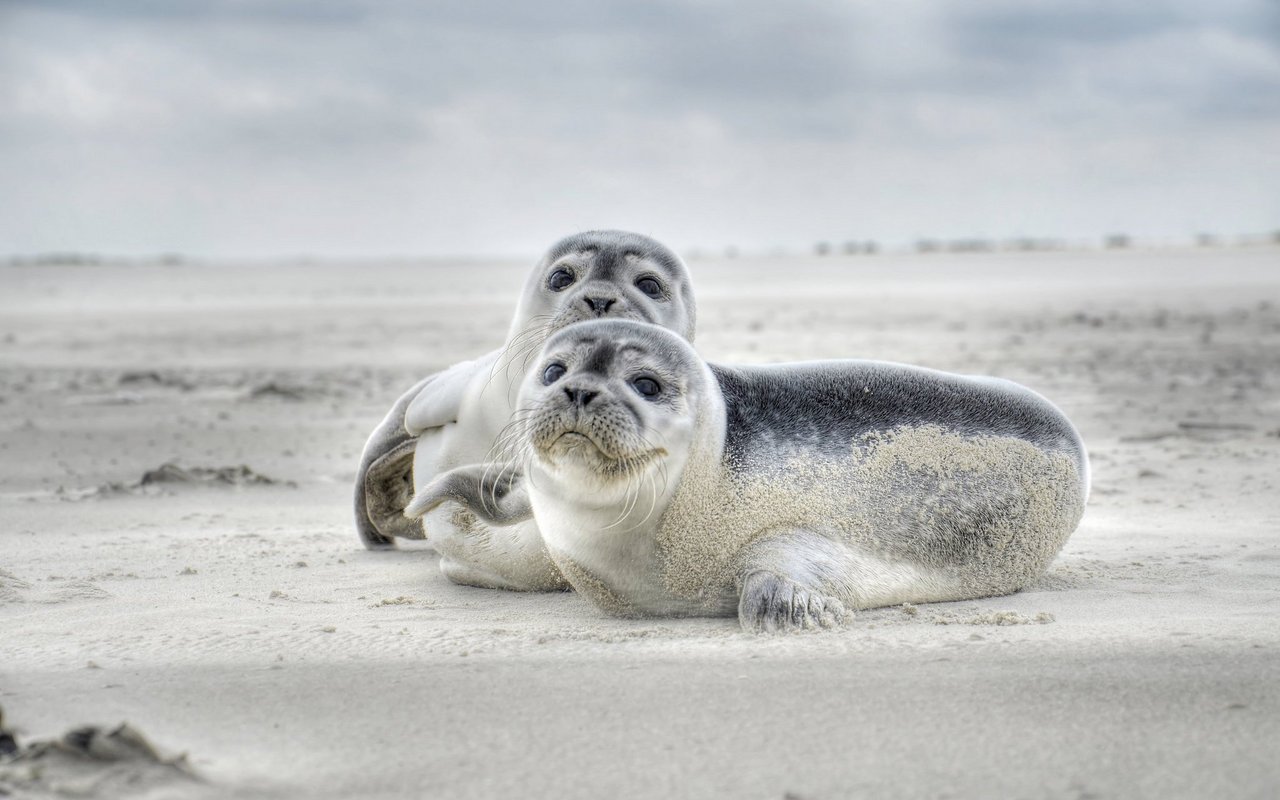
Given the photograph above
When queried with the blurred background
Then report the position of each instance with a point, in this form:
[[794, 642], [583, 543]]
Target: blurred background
[[270, 128]]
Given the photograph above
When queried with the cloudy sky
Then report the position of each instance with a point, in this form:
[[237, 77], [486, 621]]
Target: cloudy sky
[[271, 127]]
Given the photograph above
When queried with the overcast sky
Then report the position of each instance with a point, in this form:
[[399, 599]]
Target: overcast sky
[[266, 127]]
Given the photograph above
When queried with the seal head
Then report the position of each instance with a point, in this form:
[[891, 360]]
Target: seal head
[[609, 402], [601, 274]]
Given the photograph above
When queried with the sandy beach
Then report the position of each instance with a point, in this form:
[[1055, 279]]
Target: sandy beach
[[224, 607]]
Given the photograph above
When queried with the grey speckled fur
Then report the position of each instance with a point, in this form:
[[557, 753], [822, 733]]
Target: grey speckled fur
[[818, 407]]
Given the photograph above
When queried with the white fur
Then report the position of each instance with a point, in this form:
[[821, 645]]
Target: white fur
[[582, 518], [589, 524]]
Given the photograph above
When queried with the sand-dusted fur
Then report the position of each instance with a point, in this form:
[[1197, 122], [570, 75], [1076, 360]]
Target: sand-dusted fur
[[788, 494]]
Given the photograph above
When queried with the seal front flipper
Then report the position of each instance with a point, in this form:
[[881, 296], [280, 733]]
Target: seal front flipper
[[490, 539], [496, 493], [772, 603], [785, 585]]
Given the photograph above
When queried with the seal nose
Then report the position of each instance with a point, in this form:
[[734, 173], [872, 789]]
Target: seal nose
[[599, 304], [580, 397]]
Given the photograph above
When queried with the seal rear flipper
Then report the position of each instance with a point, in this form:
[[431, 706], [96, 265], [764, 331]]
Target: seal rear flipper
[[496, 493], [390, 436], [388, 489]]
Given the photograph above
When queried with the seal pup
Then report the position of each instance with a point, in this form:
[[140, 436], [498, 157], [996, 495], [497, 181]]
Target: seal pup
[[785, 494], [455, 417]]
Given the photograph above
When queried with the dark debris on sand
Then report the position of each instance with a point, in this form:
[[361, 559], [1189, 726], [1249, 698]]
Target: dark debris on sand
[[169, 476], [241, 475], [154, 378], [280, 391], [89, 761]]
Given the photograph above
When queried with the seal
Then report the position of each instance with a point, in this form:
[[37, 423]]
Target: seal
[[789, 495], [455, 417]]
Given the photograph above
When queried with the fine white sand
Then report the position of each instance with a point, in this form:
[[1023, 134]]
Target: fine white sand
[[243, 624]]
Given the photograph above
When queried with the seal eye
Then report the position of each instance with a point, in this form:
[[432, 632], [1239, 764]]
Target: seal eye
[[647, 387], [650, 286], [560, 280], [553, 373]]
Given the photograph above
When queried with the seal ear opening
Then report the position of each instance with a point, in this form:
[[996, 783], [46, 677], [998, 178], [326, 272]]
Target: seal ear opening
[[494, 492]]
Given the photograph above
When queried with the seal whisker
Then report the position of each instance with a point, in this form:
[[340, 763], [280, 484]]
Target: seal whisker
[[653, 500], [532, 334], [529, 473], [660, 462], [635, 480], [531, 337], [632, 476], [512, 442], [528, 353], [509, 435], [498, 479], [523, 349], [504, 357], [653, 504]]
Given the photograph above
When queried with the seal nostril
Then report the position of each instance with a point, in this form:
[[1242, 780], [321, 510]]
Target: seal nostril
[[580, 397], [599, 304]]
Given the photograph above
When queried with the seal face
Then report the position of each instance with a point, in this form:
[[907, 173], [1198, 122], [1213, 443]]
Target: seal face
[[457, 417], [606, 409], [605, 274], [787, 494]]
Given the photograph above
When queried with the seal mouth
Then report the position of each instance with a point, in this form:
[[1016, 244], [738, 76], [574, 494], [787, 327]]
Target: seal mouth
[[575, 444], [573, 440], [573, 314]]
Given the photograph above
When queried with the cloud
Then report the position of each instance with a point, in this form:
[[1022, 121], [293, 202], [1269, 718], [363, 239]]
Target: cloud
[[266, 127]]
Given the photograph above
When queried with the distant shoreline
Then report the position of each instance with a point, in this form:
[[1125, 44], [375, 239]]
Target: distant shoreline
[[821, 249]]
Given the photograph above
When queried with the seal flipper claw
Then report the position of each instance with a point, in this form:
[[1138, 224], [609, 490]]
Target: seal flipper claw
[[771, 603], [494, 492]]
